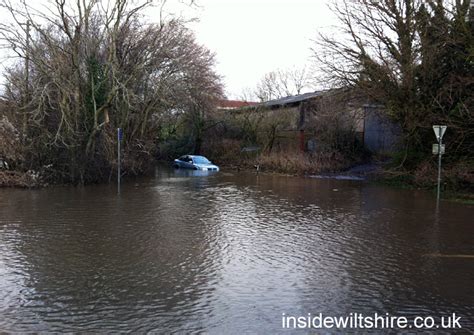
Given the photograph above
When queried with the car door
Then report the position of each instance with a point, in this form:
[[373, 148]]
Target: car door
[[183, 162], [188, 162]]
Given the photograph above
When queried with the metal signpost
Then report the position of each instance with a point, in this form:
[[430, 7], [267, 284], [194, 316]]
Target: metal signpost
[[439, 149], [119, 139]]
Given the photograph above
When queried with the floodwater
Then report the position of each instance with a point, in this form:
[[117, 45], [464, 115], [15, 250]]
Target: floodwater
[[228, 253]]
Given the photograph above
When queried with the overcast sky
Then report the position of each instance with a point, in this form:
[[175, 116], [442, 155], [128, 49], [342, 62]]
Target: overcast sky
[[253, 37], [249, 37]]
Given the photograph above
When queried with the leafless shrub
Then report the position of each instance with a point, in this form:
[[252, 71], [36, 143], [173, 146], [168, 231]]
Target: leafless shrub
[[10, 149], [86, 68]]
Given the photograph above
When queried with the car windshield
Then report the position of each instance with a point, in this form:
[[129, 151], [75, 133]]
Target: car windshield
[[201, 160]]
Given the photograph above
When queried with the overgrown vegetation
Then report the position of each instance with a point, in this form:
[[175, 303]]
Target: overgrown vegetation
[[417, 59], [271, 137], [84, 69]]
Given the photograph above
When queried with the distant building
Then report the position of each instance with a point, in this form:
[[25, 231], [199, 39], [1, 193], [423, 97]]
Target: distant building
[[371, 126], [234, 104], [380, 134]]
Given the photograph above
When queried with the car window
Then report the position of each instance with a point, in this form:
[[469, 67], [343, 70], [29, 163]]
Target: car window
[[201, 160]]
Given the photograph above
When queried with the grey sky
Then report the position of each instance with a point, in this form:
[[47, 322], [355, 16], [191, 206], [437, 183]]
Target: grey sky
[[249, 37], [253, 37]]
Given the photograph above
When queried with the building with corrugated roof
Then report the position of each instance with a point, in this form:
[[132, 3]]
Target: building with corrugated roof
[[299, 114]]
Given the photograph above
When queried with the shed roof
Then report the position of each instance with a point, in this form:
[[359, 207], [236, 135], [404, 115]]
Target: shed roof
[[292, 99], [231, 104]]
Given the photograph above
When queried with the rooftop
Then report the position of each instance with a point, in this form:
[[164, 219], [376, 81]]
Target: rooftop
[[234, 104], [291, 99]]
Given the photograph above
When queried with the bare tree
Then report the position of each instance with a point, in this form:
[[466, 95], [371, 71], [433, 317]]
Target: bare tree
[[413, 56], [282, 83], [95, 66], [248, 94]]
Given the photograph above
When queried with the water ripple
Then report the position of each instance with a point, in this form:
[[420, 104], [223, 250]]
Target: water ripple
[[225, 253]]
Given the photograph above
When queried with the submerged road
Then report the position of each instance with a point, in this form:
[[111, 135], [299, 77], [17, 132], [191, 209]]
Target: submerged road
[[228, 253]]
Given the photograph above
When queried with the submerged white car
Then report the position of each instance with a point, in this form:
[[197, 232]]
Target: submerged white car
[[195, 163]]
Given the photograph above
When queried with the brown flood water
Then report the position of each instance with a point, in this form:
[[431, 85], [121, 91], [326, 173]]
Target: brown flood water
[[228, 253]]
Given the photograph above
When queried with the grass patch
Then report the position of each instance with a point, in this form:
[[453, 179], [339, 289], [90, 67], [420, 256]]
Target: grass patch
[[298, 163]]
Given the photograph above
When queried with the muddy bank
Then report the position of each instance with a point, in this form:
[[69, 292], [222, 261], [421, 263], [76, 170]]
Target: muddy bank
[[18, 179]]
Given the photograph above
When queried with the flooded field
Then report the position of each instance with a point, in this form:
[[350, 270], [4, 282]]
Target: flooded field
[[228, 253]]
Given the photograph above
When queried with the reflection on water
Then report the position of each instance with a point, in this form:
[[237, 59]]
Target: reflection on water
[[227, 253], [193, 173]]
